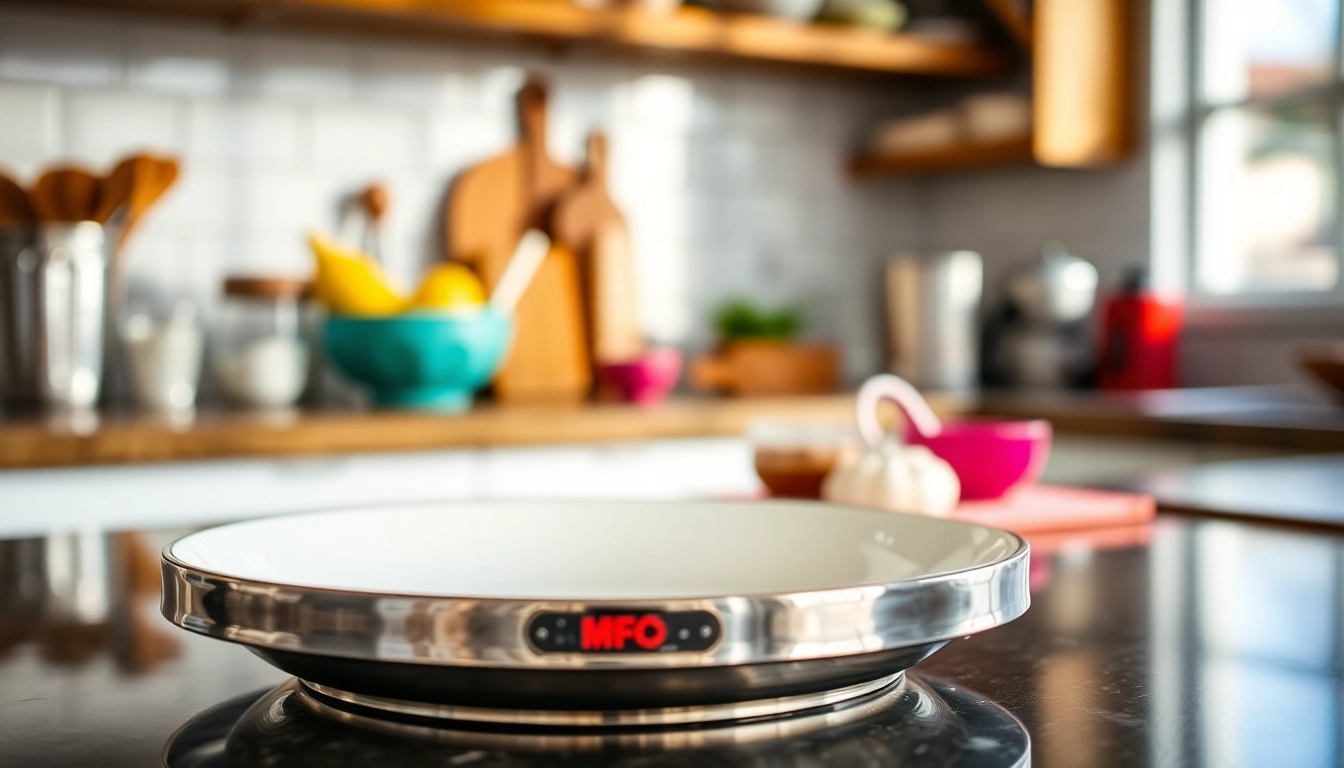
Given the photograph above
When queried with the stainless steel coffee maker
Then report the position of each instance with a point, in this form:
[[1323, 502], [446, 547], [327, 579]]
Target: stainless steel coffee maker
[[1039, 336]]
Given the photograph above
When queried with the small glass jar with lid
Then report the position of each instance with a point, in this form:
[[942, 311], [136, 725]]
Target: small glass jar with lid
[[261, 356]]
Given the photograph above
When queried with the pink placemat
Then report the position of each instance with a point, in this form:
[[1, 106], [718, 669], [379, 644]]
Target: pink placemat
[[1039, 508]]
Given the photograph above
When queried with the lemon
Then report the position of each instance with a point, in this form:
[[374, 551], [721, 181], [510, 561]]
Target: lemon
[[448, 286], [350, 283]]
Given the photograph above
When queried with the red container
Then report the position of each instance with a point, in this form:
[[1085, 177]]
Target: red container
[[1140, 341]]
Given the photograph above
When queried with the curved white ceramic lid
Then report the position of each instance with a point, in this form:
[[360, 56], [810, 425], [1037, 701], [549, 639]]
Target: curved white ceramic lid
[[593, 550]]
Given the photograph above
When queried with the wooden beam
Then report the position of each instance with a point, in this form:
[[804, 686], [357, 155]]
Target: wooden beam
[[1083, 82]]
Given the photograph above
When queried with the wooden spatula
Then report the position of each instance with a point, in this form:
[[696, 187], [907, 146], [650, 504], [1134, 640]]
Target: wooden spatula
[[120, 185], [134, 185], [15, 208], [159, 176], [67, 193]]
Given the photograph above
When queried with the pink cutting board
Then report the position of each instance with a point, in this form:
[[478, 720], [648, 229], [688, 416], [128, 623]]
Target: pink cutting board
[[1037, 508]]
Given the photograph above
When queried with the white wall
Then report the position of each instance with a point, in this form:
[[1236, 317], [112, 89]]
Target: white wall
[[733, 180], [1007, 214]]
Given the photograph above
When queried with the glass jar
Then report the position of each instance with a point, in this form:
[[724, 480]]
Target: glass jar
[[163, 349], [793, 458], [261, 357]]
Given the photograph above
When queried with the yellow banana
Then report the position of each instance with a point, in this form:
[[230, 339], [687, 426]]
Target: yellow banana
[[350, 283]]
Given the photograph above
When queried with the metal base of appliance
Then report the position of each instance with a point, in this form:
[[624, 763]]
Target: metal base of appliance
[[911, 722], [328, 698], [592, 690]]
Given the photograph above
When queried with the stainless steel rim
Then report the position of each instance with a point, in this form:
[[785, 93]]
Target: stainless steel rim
[[492, 633], [667, 716]]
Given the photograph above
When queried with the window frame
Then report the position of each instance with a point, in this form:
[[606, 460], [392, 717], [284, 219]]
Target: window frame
[[1295, 307]]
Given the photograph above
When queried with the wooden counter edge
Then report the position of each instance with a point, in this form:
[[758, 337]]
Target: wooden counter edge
[[47, 444]]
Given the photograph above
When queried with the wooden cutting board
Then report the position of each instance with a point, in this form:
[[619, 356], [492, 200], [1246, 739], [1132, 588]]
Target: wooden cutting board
[[588, 221], [490, 207]]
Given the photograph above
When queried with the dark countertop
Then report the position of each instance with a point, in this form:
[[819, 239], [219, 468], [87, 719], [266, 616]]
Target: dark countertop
[[1219, 643], [1302, 489], [1281, 416]]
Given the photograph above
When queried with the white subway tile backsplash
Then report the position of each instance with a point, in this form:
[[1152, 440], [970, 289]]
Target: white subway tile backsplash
[[662, 103], [207, 264], [566, 137], [764, 107], [497, 88], [414, 220], [293, 68], [250, 133], [274, 203], [29, 120], [101, 127], [366, 139], [726, 163], [457, 139], [203, 203], [423, 79], [179, 60], [273, 255], [155, 262], [732, 183], [61, 50]]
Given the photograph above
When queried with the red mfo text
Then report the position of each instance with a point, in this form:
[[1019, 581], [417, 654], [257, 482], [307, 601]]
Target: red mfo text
[[611, 632]]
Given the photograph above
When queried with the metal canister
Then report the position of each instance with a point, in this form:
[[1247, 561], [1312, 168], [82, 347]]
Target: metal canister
[[53, 289], [933, 305]]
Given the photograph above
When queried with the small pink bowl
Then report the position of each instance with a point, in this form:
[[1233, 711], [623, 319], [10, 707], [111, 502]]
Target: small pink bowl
[[645, 380], [990, 457]]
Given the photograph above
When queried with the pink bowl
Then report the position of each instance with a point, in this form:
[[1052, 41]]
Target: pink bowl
[[990, 457], [645, 380]]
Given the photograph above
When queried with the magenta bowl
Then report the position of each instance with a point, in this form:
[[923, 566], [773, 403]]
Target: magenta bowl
[[990, 457], [645, 380]]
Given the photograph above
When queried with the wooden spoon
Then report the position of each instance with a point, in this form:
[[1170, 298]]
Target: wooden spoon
[[374, 201], [120, 185], [66, 194], [15, 208], [151, 178]]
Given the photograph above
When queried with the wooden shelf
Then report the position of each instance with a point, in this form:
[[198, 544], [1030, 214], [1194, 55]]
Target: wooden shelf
[[691, 31], [961, 157]]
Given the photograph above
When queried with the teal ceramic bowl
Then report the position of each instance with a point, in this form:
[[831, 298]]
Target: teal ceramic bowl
[[424, 361]]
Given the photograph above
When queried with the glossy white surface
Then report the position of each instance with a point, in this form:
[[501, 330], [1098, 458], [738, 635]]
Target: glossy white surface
[[593, 550]]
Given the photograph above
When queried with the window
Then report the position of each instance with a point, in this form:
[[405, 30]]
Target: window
[[1268, 122]]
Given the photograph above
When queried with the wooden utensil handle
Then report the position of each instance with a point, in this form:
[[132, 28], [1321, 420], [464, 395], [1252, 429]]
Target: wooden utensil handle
[[532, 140], [597, 158]]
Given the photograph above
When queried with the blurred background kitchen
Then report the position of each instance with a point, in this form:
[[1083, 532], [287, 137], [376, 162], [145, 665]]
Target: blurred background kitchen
[[259, 257], [745, 199]]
